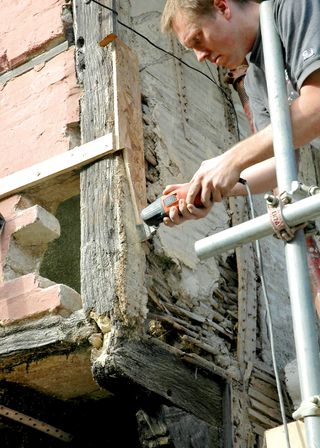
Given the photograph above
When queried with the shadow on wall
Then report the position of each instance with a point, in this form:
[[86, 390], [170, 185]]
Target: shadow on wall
[[61, 262]]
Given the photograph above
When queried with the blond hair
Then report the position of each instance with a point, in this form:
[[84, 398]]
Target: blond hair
[[192, 8]]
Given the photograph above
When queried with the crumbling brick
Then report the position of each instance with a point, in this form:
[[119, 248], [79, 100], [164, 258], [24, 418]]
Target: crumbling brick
[[30, 295]]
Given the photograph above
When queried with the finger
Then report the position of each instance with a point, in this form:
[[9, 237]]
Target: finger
[[174, 215], [217, 195], [184, 209], [167, 221], [194, 189], [206, 196], [170, 188], [198, 213]]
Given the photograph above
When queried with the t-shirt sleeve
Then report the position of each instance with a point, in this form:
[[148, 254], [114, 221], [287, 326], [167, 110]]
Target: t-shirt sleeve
[[257, 99], [298, 23]]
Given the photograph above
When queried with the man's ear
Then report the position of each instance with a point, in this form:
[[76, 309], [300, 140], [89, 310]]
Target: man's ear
[[223, 7]]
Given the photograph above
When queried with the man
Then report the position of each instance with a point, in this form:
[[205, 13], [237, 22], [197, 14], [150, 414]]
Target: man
[[224, 32]]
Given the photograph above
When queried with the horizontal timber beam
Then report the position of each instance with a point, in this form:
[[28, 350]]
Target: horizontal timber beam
[[57, 165], [148, 363]]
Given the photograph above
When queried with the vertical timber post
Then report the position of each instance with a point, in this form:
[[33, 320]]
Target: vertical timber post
[[112, 258]]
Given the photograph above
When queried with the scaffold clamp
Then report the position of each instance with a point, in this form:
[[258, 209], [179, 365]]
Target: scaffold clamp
[[281, 228]]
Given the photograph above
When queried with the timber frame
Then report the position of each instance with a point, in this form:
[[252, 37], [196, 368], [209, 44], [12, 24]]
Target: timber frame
[[112, 264]]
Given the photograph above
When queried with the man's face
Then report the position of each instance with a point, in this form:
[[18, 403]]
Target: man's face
[[215, 37]]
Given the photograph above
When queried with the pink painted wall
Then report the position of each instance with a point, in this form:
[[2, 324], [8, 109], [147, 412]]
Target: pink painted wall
[[35, 109], [27, 27]]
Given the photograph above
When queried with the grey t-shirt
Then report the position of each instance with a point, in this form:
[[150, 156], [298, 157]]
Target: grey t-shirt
[[298, 24]]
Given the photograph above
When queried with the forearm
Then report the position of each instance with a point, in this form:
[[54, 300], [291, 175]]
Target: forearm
[[305, 117], [253, 150], [250, 153], [260, 178]]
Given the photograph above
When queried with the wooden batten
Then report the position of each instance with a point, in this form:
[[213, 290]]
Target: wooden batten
[[128, 128], [275, 437], [60, 164]]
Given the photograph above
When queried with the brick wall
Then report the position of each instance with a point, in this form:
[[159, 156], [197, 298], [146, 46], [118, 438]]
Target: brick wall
[[28, 27], [39, 104]]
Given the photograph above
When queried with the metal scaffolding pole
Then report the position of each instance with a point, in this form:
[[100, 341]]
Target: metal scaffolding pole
[[257, 228], [303, 315]]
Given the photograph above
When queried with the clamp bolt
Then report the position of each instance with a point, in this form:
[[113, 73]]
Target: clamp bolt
[[271, 200]]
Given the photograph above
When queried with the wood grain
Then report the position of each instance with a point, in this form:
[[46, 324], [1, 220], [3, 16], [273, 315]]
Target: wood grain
[[128, 126], [112, 259], [149, 364]]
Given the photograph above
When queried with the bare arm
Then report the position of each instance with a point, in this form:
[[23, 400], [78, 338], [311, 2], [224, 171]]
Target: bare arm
[[218, 177], [260, 178]]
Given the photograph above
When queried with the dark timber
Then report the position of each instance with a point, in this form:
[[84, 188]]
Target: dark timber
[[112, 260]]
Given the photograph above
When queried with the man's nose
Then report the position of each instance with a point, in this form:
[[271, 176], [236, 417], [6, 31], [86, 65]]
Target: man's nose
[[202, 55]]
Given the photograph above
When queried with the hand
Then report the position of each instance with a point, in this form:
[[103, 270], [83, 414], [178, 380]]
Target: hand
[[184, 212], [214, 179]]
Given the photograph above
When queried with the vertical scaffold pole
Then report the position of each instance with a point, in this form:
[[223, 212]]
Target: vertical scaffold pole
[[303, 315]]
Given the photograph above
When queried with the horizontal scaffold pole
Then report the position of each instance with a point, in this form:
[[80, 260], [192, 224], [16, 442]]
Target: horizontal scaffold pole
[[294, 214]]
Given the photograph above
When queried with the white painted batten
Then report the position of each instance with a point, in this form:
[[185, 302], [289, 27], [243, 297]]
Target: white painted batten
[[57, 165]]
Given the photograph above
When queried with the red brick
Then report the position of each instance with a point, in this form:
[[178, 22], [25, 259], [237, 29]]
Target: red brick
[[35, 109], [26, 297], [8, 211], [26, 26], [8, 206], [30, 227]]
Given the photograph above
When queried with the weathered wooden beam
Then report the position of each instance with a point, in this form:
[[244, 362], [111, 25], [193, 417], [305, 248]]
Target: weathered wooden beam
[[19, 342], [112, 258], [262, 419], [147, 363], [56, 166], [247, 293]]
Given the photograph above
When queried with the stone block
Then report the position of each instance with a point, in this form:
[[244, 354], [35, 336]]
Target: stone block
[[30, 295], [38, 23], [35, 226], [25, 236], [35, 111]]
